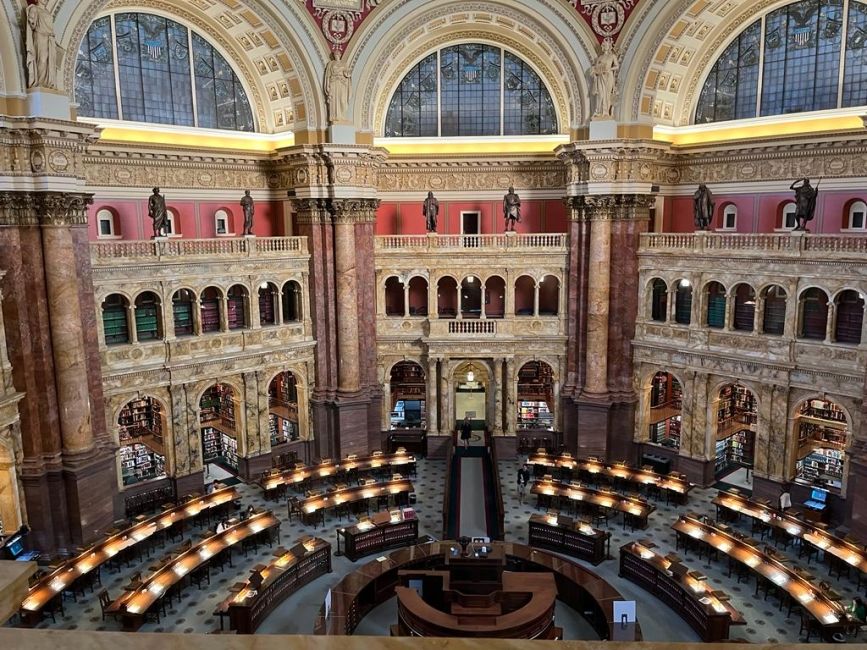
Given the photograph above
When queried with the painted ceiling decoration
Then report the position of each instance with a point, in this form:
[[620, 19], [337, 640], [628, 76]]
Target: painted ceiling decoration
[[605, 17], [339, 19]]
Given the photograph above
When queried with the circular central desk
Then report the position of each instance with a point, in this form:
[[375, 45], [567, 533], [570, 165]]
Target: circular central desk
[[375, 583]]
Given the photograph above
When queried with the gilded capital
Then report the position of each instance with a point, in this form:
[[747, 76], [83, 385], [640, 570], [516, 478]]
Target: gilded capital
[[354, 210], [610, 207]]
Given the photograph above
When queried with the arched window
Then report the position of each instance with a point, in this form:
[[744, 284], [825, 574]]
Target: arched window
[[549, 295], [292, 302], [787, 217], [495, 297], [745, 308], [236, 300], [114, 319], [659, 301], [222, 222], [155, 79], [814, 314], [775, 310], [182, 310], [857, 216], [730, 217], [799, 50], [148, 317], [525, 295], [267, 299], [683, 303], [172, 226], [471, 89], [394, 297], [447, 297], [471, 297], [105, 224], [850, 317], [212, 300], [417, 296], [716, 305]]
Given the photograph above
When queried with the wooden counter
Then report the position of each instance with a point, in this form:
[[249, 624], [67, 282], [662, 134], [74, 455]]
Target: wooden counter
[[707, 611], [312, 508], [635, 510], [673, 484], [134, 605], [828, 612], [569, 537], [374, 583], [383, 532], [851, 553], [400, 461], [63, 578], [292, 570]]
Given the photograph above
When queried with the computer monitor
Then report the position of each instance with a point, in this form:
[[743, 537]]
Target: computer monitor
[[15, 547], [819, 495]]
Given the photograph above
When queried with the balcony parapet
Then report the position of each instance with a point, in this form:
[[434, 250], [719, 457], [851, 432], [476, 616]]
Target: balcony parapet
[[547, 242], [795, 245], [114, 252], [416, 327]]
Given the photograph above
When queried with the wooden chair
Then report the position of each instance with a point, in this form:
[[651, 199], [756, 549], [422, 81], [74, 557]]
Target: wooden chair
[[104, 603]]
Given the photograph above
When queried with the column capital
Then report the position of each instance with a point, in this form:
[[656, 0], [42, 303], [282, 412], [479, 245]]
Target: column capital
[[610, 207], [44, 208], [351, 211]]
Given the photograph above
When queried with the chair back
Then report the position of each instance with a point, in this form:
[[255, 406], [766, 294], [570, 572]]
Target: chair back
[[104, 599]]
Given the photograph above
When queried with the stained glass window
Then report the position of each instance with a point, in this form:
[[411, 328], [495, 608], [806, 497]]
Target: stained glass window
[[154, 77], [803, 51], [470, 90]]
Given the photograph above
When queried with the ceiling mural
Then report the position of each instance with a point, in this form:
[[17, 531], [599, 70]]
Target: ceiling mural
[[605, 17], [339, 19]]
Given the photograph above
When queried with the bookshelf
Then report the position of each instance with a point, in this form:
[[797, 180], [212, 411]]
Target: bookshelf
[[210, 311], [147, 318], [535, 415], [716, 307], [114, 321], [236, 316], [182, 312], [266, 306], [823, 433], [666, 399], [140, 434], [219, 440], [736, 415], [283, 404]]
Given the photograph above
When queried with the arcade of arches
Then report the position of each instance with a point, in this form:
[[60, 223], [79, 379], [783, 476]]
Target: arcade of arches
[[475, 210]]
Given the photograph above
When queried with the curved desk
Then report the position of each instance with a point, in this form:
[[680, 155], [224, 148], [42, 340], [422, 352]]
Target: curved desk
[[635, 510], [374, 583]]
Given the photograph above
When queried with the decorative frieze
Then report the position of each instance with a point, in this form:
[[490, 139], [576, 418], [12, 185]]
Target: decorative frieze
[[470, 174]]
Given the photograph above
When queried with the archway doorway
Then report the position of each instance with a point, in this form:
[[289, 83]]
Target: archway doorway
[[665, 407], [822, 433], [535, 397], [283, 408], [736, 415], [407, 409], [217, 410], [141, 424], [471, 382]]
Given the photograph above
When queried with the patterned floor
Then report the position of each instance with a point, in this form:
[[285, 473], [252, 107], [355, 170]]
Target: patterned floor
[[765, 623]]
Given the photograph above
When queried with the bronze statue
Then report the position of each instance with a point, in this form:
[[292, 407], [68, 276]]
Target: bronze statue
[[249, 208], [703, 206], [430, 211], [41, 46], [805, 202], [511, 209], [157, 212]]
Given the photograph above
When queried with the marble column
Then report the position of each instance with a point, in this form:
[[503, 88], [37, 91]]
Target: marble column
[[130, 324], [511, 386], [831, 323], [432, 401], [224, 312], [759, 315], [499, 387], [346, 284], [599, 276], [67, 337], [406, 299], [445, 399], [730, 311]]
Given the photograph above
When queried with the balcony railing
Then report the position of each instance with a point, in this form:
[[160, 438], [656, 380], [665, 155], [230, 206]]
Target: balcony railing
[[472, 327], [106, 253], [785, 244], [434, 242]]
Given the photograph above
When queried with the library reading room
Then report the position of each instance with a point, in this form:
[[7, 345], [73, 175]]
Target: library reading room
[[419, 322]]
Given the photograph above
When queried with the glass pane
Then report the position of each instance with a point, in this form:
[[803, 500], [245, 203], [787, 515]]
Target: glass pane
[[470, 76], [94, 73], [220, 97], [730, 89], [855, 71], [529, 109], [413, 108]]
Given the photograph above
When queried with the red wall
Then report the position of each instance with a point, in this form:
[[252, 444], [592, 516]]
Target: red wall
[[195, 218], [761, 212], [405, 218]]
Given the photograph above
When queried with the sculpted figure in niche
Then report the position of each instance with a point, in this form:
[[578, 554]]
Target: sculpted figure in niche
[[41, 47], [430, 210], [805, 202], [604, 73], [249, 209], [703, 206], [157, 212], [336, 87], [511, 209]]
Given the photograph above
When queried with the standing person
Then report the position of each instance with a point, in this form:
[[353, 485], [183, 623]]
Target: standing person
[[785, 499], [466, 431], [523, 480]]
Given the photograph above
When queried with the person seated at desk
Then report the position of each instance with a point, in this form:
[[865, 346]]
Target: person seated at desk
[[249, 512], [223, 525], [858, 609]]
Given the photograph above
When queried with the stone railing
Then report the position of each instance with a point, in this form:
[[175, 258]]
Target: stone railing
[[108, 253], [472, 327], [464, 243], [795, 244], [388, 327]]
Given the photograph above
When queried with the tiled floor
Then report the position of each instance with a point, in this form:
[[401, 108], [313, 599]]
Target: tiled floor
[[296, 616]]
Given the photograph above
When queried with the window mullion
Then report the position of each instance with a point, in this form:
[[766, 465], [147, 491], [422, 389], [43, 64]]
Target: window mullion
[[116, 66], [439, 97], [502, 90], [193, 77], [760, 81], [844, 34]]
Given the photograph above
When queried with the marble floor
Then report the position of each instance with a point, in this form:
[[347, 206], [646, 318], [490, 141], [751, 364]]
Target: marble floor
[[194, 614]]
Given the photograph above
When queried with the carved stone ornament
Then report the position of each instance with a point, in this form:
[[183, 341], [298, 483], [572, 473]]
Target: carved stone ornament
[[41, 46]]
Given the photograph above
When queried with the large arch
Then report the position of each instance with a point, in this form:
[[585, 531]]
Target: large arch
[[552, 38], [267, 43]]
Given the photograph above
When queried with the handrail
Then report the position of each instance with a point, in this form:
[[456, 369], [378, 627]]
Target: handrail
[[447, 498], [498, 486], [103, 252], [470, 242], [787, 244]]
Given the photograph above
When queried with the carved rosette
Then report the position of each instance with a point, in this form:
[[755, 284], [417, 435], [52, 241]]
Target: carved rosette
[[44, 208], [610, 207]]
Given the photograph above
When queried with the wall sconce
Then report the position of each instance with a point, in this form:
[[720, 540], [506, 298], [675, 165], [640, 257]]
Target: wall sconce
[[471, 376]]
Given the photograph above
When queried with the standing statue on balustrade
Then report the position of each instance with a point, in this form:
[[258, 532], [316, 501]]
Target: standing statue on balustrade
[[703, 206], [430, 210], [249, 208], [511, 209], [157, 211], [41, 46], [805, 202]]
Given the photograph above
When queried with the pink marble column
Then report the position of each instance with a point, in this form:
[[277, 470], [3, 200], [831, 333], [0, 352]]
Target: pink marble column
[[599, 276], [67, 339], [347, 298]]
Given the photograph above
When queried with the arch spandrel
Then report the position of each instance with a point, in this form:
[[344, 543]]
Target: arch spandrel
[[552, 38]]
